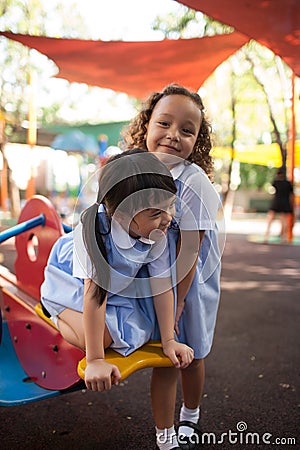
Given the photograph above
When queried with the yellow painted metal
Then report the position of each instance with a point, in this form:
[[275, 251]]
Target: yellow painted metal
[[39, 311], [149, 355], [262, 154]]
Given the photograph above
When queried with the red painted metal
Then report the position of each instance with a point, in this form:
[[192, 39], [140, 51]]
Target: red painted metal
[[33, 246], [48, 360]]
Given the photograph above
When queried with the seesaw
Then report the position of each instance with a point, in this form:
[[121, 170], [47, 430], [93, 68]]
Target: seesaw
[[35, 361]]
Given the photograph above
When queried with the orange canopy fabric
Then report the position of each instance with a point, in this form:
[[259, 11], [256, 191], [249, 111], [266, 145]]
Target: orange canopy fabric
[[137, 68], [273, 23]]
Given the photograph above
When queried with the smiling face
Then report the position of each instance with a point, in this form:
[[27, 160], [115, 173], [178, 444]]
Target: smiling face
[[152, 223], [174, 126], [148, 222]]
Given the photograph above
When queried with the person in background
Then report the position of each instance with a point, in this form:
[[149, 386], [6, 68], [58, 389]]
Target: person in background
[[282, 203]]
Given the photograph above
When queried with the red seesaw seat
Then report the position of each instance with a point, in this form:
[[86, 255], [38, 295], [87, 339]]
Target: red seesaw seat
[[47, 359]]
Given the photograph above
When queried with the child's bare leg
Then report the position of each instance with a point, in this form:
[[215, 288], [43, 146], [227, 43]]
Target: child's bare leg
[[283, 218], [70, 324], [163, 397], [192, 382], [270, 218]]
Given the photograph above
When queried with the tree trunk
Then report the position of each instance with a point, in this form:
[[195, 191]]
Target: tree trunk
[[272, 117]]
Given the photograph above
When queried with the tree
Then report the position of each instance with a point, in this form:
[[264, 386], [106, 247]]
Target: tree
[[17, 62], [254, 87], [30, 17], [280, 138]]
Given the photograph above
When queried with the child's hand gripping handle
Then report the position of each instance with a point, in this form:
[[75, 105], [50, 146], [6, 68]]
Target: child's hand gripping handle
[[181, 355], [100, 375]]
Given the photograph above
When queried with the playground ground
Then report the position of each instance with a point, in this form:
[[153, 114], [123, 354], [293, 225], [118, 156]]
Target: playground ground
[[251, 396]]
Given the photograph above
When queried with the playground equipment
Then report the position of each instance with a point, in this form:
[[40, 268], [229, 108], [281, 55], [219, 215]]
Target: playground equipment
[[35, 361]]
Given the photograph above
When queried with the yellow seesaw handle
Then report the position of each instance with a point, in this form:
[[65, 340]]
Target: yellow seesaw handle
[[147, 356]]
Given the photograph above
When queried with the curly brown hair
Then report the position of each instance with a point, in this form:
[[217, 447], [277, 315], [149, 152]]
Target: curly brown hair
[[135, 134]]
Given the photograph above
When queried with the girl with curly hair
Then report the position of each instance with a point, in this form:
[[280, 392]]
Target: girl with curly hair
[[172, 125]]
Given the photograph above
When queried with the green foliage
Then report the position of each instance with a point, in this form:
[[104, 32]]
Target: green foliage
[[247, 97], [174, 25], [30, 16], [255, 176]]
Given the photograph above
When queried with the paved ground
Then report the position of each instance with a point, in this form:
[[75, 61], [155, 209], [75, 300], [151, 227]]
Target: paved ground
[[252, 372]]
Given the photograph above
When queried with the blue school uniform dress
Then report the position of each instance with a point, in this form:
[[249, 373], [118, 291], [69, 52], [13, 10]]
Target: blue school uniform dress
[[130, 315], [197, 206]]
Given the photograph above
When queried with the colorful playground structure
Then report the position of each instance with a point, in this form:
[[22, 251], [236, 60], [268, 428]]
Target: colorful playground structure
[[35, 361]]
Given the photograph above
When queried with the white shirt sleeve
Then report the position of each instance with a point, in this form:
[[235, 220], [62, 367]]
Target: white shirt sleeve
[[199, 203], [82, 265]]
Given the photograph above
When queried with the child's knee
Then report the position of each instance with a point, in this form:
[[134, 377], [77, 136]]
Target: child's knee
[[196, 364]]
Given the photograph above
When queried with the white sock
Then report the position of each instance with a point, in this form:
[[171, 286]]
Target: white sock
[[192, 415], [166, 439]]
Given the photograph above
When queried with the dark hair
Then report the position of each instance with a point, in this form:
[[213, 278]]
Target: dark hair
[[281, 172], [134, 134], [123, 175]]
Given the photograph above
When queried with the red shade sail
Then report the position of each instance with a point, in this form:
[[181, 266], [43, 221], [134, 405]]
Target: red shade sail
[[273, 23], [137, 68]]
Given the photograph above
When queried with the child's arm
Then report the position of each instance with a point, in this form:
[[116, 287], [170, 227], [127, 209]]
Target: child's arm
[[98, 372], [164, 308], [188, 248]]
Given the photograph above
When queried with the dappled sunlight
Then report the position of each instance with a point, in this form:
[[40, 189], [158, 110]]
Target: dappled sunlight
[[262, 286], [260, 268], [287, 272], [238, 285]]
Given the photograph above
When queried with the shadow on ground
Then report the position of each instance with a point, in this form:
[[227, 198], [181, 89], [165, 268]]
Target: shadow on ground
[[251, 396]]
